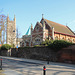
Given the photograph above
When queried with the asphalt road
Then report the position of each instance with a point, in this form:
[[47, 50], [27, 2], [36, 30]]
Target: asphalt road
[[33, 67]]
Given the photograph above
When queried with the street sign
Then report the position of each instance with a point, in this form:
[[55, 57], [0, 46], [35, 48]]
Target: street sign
[[16, 46]]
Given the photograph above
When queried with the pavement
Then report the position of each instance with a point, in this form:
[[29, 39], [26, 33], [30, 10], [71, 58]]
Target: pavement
[[35, 67]]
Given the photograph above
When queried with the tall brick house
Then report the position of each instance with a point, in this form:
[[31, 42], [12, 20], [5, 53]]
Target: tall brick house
[[46, 29]]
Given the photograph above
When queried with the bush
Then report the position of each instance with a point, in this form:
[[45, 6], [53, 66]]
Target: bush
[[58, 44], [47, 42], [5, 47], [37, 46]]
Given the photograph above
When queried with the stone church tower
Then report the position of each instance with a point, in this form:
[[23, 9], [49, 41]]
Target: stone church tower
[[11, 31]]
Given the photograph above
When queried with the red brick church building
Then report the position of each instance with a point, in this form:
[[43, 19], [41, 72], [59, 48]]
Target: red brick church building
[[46, 29]]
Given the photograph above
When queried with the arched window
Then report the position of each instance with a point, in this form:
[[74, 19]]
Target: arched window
[[37, 28], [37, 41], [68, 39], [73, 40], [62, 38], [56, 38]]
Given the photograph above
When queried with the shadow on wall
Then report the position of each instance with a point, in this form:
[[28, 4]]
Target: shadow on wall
[[5, 52], [39, 53], [67, 55]]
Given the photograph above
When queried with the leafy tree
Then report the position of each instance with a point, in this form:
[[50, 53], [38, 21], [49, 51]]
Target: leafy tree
[[5, 47]]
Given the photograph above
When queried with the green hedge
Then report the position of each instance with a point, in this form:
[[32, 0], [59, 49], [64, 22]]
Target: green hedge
[[55, 45], [46, 42], [58, 44], [5, 47]]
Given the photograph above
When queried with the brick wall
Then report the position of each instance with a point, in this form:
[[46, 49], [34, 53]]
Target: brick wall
[[67, 55], [40, 53], [44, 53]]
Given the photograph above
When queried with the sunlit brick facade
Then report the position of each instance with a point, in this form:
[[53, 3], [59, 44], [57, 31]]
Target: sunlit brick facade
[[46, 29]]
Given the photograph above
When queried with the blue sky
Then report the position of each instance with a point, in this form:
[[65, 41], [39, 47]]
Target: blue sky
[[30, 11]]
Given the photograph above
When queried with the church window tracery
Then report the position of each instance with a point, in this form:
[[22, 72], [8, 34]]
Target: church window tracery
[[37, 28]]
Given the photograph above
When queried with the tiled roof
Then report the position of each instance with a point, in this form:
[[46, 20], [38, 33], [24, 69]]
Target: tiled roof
[[60, 28]]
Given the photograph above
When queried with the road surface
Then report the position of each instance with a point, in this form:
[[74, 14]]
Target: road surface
[[19, 66]]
